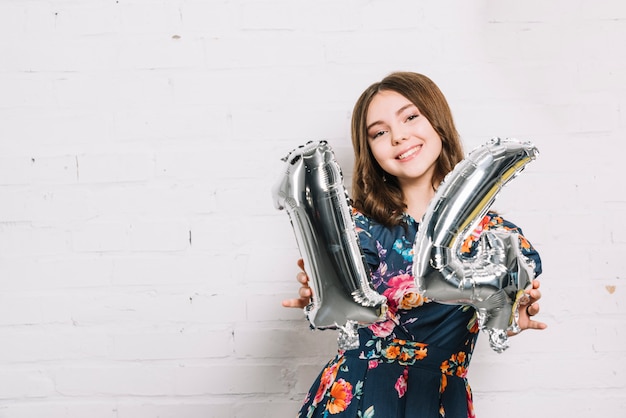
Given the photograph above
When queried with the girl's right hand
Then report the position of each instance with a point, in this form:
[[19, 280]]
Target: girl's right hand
[[305, 291]]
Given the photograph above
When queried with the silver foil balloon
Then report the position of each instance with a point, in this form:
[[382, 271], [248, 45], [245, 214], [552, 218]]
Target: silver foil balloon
[[312, 192], [493, 281]]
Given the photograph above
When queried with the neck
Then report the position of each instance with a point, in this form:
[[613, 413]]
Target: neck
[[417, 197]]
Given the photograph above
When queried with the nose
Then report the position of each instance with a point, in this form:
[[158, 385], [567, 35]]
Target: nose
[[398, 135]]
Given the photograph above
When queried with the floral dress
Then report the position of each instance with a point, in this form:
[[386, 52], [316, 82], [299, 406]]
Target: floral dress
[[414, 363]]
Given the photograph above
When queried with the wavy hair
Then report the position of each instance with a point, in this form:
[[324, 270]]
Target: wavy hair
[[375, 193]]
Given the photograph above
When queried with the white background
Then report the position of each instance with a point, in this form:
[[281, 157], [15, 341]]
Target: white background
[[142, 262]]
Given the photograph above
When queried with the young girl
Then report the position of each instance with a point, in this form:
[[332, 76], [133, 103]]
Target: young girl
[[414, 363]]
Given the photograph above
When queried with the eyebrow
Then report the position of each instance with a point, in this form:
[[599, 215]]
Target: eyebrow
[[398, 112]]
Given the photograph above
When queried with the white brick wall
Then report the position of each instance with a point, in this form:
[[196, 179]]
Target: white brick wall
[[142, 263]]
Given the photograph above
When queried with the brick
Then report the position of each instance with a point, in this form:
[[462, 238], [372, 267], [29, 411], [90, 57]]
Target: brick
[[100, 168], [13, 17], [26, 90], [163, 50], [263, 307], [179, 343], [136, 19], [28, 309], [253, 342], [130, 380], [81, 19], [170, 123], [218, 233], [176, 409], [79, 89], [25, 382], [273, 15], [159, 236], [492, 377], [102, 237], [157, 269], [51, 130], [190, 164], [151, 307], [24, 275], [305, 375], [214, 18], [35, 240], [267, 408], [65, 409], [55, 53], [272, 50], [60, 344], [236, 378], [35, 170], [329, 16], [491, 405]]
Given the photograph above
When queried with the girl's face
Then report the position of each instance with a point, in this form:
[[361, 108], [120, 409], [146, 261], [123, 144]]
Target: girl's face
[[402, 140]]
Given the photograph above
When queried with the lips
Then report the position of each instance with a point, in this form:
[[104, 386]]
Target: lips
[[408, 153]]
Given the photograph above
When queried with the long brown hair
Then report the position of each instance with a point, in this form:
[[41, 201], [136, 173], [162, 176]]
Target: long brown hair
[[375, 193]]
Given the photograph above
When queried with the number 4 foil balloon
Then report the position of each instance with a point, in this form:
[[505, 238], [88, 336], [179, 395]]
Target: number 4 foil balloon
[[494, 280], [312, 192]]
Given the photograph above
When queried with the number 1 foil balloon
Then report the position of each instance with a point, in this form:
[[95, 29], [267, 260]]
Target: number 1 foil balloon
[[493, 281], [312, 192]]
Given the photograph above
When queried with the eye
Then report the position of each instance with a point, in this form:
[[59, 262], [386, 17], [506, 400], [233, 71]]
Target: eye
[[376, 134], [411, 117]]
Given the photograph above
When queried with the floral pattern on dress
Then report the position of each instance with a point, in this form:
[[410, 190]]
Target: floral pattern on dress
[[421, 349], [402, 382], [340, 396]]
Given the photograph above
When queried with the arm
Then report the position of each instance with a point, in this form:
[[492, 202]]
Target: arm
[[532, 308]]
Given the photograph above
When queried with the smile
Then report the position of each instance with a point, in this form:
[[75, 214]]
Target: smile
[[409, 153]]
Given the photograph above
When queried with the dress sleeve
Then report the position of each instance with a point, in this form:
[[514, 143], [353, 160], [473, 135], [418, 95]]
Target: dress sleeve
[[527, 248], [369, 245], [492, 221]]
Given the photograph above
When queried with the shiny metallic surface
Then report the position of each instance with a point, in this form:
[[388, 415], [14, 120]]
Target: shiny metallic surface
[[494, 279], [312, 192]]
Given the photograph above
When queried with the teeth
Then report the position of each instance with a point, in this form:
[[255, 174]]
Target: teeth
[[408, 153]]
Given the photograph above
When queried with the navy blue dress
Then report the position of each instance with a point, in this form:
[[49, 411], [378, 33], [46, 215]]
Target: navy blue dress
[[413, 364]]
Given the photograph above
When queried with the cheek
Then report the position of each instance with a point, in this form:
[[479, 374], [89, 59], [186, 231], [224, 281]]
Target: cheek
[[435, 139], [439, 147], [377, 152]]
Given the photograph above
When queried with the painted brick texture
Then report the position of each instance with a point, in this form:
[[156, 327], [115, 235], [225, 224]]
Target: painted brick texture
[[142, 263]]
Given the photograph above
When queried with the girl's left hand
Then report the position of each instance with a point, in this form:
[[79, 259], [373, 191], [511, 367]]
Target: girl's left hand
[[527, 311]]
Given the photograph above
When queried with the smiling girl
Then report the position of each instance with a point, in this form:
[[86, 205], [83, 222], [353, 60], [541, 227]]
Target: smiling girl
[[414, 363]]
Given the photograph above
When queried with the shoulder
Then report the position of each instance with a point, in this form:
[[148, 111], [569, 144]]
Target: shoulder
[[491, 221], [497, 221], [361, 221], [365, 223]]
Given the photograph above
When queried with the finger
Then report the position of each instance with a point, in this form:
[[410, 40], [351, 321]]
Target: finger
[[534, 295], [305, 292], [300, 263], [537, 325], [295, 303], [288, 303], [533, 309], [302, 277]]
